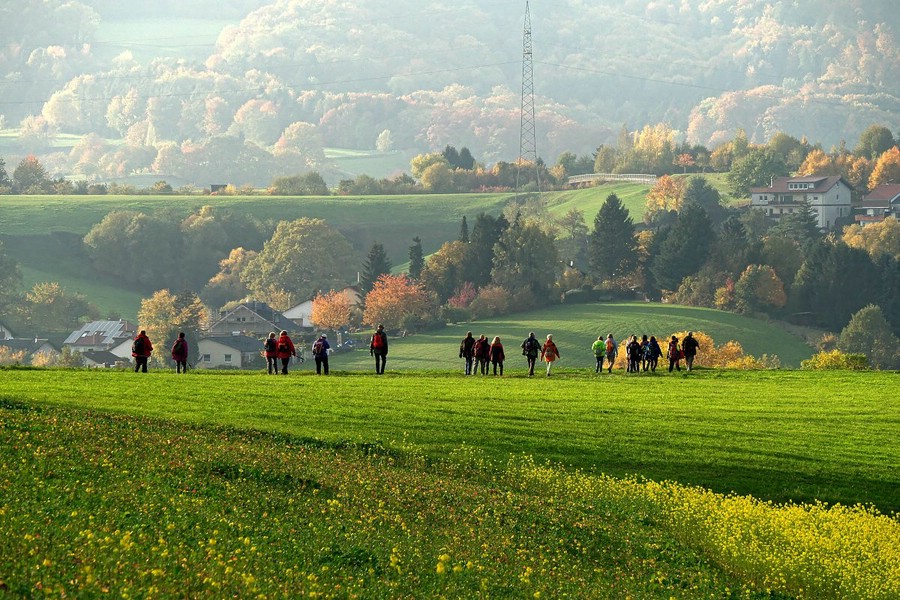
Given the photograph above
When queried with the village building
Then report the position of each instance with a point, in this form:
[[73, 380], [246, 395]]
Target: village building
[[249, 318], [829, 197], [29, 348], [881, 203], [229, 352], [101, 336]]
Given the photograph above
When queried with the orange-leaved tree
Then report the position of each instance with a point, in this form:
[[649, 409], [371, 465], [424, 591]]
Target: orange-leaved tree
[[666, 195], [394, 297], [887, 169], [330, 310]]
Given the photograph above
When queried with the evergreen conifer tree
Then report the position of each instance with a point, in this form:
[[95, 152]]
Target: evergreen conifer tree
[[416, 258], [611, 246], [376, 264]]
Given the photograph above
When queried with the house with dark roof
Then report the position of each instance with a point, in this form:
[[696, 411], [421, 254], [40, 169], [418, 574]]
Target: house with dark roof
[[829, 197], [229, 351], [250, 318], [100, 335], [101, 359], [30, 347], [877, 205]]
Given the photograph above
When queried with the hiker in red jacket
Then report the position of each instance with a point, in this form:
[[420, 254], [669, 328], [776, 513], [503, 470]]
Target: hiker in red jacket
[[180, 353], [497, 355], [284, 349], [270, 349], [141, 350], [379, 349]]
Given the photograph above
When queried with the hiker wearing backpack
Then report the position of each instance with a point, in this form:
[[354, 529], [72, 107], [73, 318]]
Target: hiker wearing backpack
[[482, 351], [320, 350], [379, 349], [284, 350], [599, 350], [530, 350], [549, 353], [674, 354], [655, 353], [612, 351], [645, 353], [496, 354], [634, 354], [180, 353], [467, 351], [270, 349], [141, 349], [689, 346]]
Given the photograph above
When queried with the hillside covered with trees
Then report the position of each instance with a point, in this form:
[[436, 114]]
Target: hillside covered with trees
[[105, 90]]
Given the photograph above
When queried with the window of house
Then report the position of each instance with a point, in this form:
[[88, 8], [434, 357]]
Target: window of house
[[207, 358], [227, 358]]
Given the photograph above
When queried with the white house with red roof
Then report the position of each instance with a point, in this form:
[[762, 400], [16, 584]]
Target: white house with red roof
[[101, 335], [877, 205], [828, 196]]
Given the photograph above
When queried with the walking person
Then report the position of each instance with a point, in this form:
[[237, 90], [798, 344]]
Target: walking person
[[690, 345], [645, 353], [674, 354], [599, 349], [180, 353], [379, 349], [270, 350], [633, 350], [482, 351], [549, 353], [496, 354], [655, 353], [284, 350], [320, 350], [141, 349], [530, 350], [612, 351], [467, 351]]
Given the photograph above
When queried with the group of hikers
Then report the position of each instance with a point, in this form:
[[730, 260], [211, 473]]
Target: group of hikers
[[275, 350], [481, 356]]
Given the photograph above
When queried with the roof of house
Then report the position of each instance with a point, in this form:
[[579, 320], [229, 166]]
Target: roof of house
[[821, 184], [886, 192], [101, 332], [262, 310], [101, 357], [29, 345], [241, 343]]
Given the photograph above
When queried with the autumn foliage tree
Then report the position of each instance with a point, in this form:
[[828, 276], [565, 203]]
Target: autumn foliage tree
[[392, 299], [876, 238], [887, 169], [165, 314], [665, 196], [759, 288], [330, 310]]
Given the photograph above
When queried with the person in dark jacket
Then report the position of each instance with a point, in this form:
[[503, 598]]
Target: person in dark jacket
[[689, 345], [141, 350], [496, 354], [467, 351], [320, 350], [180, 353], [655, 353], [531, 347], [270, 349], [482, 351], [284, 350], [379, 349], [634, 354]]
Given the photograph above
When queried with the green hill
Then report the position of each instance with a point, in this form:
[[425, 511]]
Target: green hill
[[575, 327], [34, 228]]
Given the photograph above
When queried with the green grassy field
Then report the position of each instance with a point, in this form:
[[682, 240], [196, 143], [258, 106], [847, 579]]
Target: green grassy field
[[434, 485], [575, 327]]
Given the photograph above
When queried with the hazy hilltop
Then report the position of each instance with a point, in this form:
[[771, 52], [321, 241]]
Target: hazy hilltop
[[249, 89]]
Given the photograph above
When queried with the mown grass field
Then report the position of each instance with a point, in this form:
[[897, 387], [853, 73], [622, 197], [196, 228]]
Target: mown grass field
[[575, 327], [420, 485]]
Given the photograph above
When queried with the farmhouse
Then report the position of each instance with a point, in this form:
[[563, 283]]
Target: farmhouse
[[101, 336], [229, 351], [829, 198], [5, 332], [100, 358], [250, 318], [877, 205]]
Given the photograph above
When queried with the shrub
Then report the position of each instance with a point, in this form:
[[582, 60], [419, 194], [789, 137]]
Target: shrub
[[836, 359], [491, 300]]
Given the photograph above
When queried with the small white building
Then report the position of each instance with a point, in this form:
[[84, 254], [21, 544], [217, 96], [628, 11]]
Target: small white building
[[228, 351], [5, 332], [829, 197], [101, 336]]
